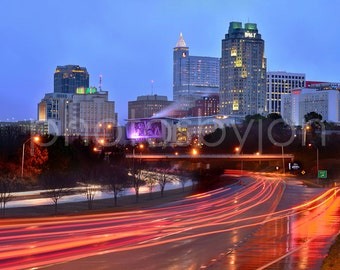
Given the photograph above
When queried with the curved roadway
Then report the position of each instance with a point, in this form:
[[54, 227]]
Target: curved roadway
[[258, 223]]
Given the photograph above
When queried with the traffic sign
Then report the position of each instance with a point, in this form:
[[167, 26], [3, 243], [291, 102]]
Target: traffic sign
[[322, 174]]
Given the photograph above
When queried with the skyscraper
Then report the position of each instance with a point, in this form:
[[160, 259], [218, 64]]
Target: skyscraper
[[194, 77], [243, 71], [68, 78]]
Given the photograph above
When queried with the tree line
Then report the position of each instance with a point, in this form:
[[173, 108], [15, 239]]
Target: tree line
[[63, 165]]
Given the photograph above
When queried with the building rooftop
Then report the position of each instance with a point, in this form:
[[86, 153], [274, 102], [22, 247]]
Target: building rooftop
[[181, 42]]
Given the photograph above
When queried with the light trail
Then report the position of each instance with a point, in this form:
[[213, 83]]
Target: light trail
[[37, 242]]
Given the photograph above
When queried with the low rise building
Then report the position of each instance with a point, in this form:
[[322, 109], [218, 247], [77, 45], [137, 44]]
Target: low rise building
[[147, 106], [177, 131], [305, 100]]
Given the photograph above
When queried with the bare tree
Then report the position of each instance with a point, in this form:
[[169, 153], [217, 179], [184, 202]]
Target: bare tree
[[115, 177], [89, 178], [5, 193], [57, 185], [150, 178], [136, 169], [90, 191], [164, 174], [182, 177]]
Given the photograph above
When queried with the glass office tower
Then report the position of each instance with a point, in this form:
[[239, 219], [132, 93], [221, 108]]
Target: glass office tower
[[194, 77], [243, 71], [68, 78]]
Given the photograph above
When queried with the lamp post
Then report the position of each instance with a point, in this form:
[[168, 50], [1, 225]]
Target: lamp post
[[238, 152], [283, 158], [304, 138], [283, 161], [141, 147], [317, 161], [108, 126], [35, 139]]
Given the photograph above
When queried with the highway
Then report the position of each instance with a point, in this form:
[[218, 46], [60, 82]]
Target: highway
[[253, 224]]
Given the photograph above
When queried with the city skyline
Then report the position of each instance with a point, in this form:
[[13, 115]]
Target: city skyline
[[108, 38]]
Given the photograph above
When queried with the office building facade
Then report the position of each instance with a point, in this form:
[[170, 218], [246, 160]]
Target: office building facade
[[53, 109], [206, 106], [90, 114], [305, 100], [243, 71], [281, 83], [27, 127], [148, 106], [70, 77], [193, 76], [85, 113]]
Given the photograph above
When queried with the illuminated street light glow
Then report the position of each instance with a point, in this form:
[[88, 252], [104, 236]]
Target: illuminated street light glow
[[36, 139]]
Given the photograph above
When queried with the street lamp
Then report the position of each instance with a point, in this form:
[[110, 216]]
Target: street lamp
[[108, 126], [237, 150], [194, 152], [283, 161], [317, 160], [305, 129], [35, 139]]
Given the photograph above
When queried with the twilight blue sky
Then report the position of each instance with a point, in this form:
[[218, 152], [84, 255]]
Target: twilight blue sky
[[130, 42]]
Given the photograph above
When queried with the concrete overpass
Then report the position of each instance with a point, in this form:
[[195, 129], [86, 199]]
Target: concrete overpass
[[231, 157]]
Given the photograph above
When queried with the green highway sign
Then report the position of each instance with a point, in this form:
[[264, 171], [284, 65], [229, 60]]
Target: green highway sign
[[322, 174]]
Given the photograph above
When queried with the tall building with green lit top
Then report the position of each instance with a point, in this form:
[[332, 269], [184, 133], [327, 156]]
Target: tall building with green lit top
[[242, 71], [70, 77]]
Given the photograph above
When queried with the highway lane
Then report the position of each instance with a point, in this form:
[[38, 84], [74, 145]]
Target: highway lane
[[298, 238], [207, 230], [47, 241]]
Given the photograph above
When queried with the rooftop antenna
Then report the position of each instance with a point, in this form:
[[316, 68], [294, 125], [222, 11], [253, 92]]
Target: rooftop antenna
[[152, 82], [100, 82]]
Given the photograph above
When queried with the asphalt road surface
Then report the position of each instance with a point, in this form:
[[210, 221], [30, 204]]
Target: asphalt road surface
[[258, 223]]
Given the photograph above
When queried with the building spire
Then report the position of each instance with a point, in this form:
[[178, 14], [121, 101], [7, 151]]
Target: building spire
[[180, 42]]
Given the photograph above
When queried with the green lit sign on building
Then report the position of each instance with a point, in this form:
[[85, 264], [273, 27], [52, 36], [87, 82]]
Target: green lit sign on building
[[85, 91], [91, 90]]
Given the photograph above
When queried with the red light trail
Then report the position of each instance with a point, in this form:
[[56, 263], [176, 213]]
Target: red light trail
[[35, 242]]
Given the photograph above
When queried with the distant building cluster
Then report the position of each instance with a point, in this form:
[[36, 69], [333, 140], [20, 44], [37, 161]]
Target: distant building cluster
[[75, 108], [305, 100], [207, 91]]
